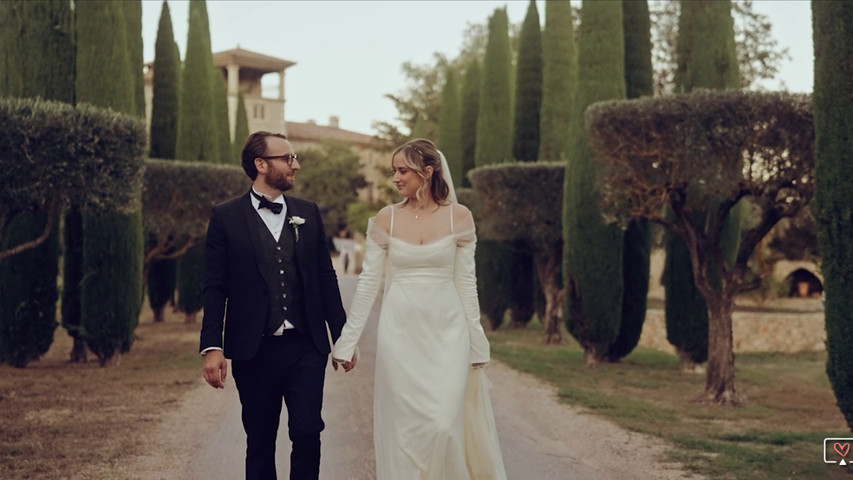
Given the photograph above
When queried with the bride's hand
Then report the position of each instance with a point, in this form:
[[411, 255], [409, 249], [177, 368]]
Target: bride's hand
[[348, 365]]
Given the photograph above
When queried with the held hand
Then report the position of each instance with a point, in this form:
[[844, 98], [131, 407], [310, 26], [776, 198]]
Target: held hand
[[348, 365], [478, 365], [351, 364], [215, 368]]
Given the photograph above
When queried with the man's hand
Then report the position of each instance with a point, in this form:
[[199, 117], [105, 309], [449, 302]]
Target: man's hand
[[348, 365], [215, 368]]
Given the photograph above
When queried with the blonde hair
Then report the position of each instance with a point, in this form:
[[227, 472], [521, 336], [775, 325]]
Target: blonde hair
[[417, 154]]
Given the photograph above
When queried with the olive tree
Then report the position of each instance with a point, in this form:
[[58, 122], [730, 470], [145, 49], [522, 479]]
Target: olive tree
[[522, 202], [707, 152]]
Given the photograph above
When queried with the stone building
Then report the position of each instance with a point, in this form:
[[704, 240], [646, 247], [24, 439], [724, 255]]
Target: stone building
[[373, 154], [243, 70]]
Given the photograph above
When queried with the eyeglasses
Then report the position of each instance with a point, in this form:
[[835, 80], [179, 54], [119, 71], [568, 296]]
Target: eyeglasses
[[288, 158]]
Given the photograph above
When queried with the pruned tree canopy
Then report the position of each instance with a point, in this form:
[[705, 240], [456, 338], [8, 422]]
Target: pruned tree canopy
[[54, 154], [177, 198], [685, 151], [84, 155], [519, 201]]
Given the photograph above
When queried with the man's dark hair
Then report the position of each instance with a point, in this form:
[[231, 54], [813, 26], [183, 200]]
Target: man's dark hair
[[256, 146]]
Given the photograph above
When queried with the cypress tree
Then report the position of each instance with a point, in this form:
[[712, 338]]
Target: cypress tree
[[37, 46], [241, 128], [419, 130], [165, 88], [191, 282], [559, 78], [133, 33], [706, 59], [494, 126], [197, 140], [196, 126], [494, 145], [103, 53], [162, 274], [112, 244], [593, 251], [449, 133], [705, 50], [637, 244], [161, 281], [525, 147], [528, 88], [832, 27], [37, 52], [72, 279], [468, 123], [219, 90]]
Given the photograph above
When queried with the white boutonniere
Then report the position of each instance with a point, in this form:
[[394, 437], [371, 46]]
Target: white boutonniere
[[296, 221]]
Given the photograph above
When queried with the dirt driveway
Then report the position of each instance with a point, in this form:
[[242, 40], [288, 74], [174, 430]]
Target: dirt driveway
[[540, 438]]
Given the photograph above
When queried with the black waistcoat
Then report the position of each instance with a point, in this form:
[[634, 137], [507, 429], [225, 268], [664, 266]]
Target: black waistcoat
[[280, 271]]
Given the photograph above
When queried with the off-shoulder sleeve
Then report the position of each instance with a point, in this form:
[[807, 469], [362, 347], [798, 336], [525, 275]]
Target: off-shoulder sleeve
[[466, 285], [373, 269]]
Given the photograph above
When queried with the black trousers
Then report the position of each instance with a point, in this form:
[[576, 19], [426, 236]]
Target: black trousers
[[288, 367]]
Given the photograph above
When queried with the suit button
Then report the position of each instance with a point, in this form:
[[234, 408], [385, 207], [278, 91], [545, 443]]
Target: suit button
[[281, 272], [283, 295], [284, 308], [278, 248]]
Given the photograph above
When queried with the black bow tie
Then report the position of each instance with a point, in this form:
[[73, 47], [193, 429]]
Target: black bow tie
[[273, 206]]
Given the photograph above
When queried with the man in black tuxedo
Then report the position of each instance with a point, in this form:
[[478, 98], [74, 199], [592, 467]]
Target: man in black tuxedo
[[269, 292]]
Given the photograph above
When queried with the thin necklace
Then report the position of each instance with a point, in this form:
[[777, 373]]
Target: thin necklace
[[417, 215]]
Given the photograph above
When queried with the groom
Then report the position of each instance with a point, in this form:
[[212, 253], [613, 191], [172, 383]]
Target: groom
[[269, 293]]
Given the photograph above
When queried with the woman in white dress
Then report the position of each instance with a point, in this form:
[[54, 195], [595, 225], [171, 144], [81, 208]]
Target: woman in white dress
[[432, 416]]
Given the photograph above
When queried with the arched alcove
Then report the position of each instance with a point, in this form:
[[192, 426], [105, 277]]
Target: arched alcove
[[804, 284]]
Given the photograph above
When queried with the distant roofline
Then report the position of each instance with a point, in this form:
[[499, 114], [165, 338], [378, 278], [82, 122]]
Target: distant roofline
[[311, 131], [249, 59]]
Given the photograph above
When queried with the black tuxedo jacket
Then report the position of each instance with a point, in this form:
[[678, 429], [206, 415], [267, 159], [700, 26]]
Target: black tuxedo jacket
[[235, 292]]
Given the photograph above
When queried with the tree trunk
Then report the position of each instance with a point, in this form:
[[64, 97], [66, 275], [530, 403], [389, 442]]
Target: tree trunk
[[589, 358], [78, 351], [720, 379], [548, 268], [685, 362], [158, 315]]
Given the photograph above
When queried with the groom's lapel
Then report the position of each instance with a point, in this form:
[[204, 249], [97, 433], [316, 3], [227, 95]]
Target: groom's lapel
[[301, 243], [249, 215]]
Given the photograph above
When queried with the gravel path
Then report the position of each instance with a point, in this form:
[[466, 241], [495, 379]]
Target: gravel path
[[540, 438]]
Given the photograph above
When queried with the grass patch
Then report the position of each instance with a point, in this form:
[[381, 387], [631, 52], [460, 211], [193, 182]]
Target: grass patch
[[62, 420], [778, 433]]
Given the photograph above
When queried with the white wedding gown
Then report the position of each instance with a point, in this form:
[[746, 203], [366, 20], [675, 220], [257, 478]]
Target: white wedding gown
[[432, 413]]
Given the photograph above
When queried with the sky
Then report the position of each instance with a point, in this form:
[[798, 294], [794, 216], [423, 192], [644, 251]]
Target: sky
[[349, 54]]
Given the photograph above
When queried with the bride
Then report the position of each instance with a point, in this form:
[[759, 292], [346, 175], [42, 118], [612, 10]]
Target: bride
[[432, 416]]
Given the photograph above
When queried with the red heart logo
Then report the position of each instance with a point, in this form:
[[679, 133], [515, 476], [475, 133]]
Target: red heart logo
[[841, 448]]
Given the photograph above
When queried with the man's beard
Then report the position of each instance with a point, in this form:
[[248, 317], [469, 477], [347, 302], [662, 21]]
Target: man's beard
[[278, 181]]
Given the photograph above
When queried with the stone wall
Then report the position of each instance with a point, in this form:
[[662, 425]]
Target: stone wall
[[774, 325], [788, 331]]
